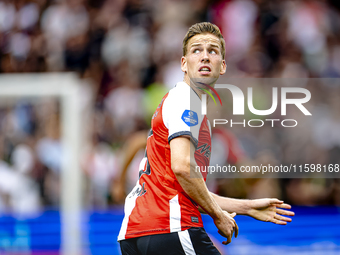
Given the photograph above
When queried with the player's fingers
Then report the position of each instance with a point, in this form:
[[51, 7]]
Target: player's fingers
[[279, 222], [227, 241], [279, 217], [230, 214], [275, 201], [284, 212], [233, 222], [284, 206], [236, 230], [226, 236]]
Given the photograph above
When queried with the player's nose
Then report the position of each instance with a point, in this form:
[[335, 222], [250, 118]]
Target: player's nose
[[205, 56]]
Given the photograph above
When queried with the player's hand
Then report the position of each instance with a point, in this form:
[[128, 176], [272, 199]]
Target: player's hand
[[227, 226], [270, 210]]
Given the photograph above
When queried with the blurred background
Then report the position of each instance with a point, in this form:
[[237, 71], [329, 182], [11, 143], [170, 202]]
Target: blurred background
[[126, 54]]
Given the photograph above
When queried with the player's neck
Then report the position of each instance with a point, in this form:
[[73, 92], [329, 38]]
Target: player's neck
[[198, 91]]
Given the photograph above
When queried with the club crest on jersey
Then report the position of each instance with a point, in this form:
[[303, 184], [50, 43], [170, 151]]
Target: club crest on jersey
[[190, 118]]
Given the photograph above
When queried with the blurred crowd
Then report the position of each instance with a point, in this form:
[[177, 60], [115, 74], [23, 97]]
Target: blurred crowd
[[130, 50]]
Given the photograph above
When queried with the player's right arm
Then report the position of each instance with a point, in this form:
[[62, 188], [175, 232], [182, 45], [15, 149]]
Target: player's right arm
[[182, 161]]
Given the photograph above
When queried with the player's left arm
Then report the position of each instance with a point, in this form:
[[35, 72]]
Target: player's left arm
[[264, 209]]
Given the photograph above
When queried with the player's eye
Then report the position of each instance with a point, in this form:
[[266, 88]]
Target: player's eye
[[196, 51], [212, 52]]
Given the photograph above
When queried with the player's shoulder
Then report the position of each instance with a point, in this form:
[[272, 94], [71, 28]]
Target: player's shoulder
[[182, 103], [182, 94], [180, 90]]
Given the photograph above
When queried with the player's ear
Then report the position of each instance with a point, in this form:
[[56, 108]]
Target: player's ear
[[184, 64], [223, 67]]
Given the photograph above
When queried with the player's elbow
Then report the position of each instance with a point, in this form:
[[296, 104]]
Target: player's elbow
[[181, 168]]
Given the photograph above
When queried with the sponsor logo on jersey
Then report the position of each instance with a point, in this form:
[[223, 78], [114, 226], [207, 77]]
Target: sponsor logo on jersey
[[190, 118], [204, 149], [140, 191], [194, 219]]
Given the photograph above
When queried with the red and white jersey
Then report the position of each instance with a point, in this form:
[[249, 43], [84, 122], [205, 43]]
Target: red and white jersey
[[158, 204]]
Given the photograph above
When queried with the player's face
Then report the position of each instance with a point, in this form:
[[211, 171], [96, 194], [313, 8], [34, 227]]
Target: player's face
[[204, 58]]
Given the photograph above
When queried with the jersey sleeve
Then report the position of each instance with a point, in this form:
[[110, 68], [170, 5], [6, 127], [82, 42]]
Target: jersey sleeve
[[180, 119]]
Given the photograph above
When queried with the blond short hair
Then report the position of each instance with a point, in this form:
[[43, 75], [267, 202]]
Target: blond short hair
[[203, 28]]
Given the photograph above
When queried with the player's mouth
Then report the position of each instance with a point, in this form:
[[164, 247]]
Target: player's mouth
[[205, 70]]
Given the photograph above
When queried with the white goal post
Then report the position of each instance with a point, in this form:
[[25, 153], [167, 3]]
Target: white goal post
[[66, 86]]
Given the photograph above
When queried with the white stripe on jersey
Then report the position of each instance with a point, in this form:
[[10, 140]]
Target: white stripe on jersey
[[130, 203], [175, 215], [185, 240]]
